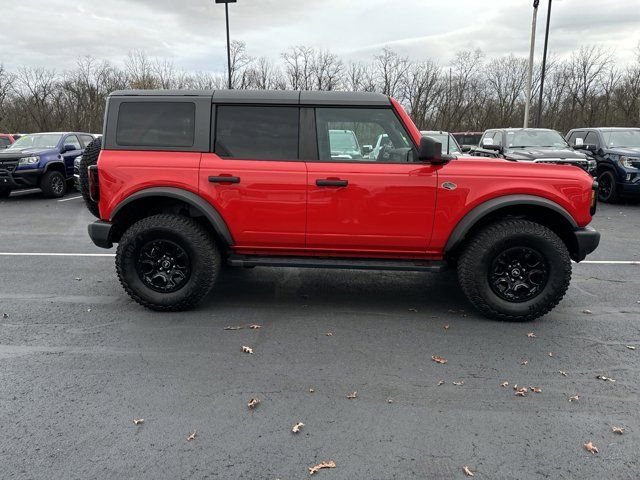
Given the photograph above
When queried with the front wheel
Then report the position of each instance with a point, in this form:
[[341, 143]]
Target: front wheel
[[167, 262], [607, 191], [53, 184], [515, 270]]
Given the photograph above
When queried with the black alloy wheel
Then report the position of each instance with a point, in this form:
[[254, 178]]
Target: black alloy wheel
[[163, 266], [518, 274]]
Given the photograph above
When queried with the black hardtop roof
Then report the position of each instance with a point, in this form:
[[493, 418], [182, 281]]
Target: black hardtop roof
[[268, 96], [606, 129]]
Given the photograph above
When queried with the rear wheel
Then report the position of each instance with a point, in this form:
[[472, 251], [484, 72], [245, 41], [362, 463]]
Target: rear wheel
[[53, 184], [167, 262], [607, 191], [515, 270], [5, 192]]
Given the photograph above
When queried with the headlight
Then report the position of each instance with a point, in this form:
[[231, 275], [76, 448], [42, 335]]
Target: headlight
[[592, 164], [629, 162], [29, 161]]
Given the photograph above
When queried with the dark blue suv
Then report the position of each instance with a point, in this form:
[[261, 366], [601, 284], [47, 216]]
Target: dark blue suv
[[617, 153], [43, 160]]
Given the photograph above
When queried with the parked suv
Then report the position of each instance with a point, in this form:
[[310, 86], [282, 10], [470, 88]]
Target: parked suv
[[617, 153], [536, 145], [43, 160], [188, 180]]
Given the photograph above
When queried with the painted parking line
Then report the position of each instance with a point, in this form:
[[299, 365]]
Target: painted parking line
[[56, 254], [68, 199]]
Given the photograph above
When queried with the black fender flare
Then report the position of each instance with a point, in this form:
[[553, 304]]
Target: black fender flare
[[48, 165], [190, 198], [479, 212]]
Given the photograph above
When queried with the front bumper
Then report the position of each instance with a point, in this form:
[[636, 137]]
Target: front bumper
[[100, 233], [587, 240], [629, 189], [20, 178]]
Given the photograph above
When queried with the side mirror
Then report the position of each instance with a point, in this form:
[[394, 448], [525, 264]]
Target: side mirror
[[497, 148], [68, 148], [431, 151], [466, 148], [367, 149]]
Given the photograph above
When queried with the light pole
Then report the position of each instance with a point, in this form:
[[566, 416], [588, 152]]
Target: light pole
[[544, 67], [527, 104], [226, 11]]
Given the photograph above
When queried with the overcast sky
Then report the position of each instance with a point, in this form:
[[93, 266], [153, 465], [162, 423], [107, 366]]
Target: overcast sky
[[53, 33]]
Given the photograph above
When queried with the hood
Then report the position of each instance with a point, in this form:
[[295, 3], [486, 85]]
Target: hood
[[27, 152], [627, 152], [532, 153]]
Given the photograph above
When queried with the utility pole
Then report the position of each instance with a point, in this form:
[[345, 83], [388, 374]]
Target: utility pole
[[226, 11], [527, 104], [544, 67]]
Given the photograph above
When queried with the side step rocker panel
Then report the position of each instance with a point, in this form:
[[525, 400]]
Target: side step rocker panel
[[342, 263]]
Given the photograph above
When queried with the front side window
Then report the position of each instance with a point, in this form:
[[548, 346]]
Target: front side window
[[73, 140], [592, 139], [156, 124], [87, 139], [362, 135], [257, 132]]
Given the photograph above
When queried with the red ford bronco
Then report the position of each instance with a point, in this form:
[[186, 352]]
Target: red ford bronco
[[186, 180]]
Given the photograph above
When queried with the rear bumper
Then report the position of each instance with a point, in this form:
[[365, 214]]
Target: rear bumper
[[100, 233], [587, 240]]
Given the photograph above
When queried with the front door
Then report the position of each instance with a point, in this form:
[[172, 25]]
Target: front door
[[70, 155], [254, 178], [363, 200]]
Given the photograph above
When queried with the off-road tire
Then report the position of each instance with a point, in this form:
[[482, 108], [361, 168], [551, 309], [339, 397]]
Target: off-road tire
[[5, 192], [191, 236], [89, 157], [476, 259], [608, 176], [49, 184]]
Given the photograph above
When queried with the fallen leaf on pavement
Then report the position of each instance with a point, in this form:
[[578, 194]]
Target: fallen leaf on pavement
[[311, 390], [438, 359], [521, 392], [296, 428], [588, 312], [255, 326], [631, 347], [231, 327], [446, 327], [5, 315], [618, 430], [138, 421], [591, 447], [551, 354], [457, 384], [78, 279], [535, 389], [320, 466], [575, 398], [352, 395], [389, 400], [504, 384], [467, 471], [524, 362], [440, 382], [253, 403], [564, 374], [531, 335], [246, 349], [414, 310], [192, 435], [329, 334], [603, 378]]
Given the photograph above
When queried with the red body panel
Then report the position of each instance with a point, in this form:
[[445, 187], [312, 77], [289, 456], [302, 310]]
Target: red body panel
[[395, 210], [267, 208]]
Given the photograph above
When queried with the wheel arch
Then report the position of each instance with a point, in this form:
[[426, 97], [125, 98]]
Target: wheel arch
[[58, 166], [539, 209], [151, 201]]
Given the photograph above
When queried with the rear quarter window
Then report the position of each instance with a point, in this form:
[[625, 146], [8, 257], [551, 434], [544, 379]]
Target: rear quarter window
[[156, 124]]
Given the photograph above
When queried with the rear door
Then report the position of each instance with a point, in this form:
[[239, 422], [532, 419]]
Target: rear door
[[254, 177], [370, 204]]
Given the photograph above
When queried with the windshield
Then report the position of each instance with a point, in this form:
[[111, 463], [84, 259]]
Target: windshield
[[535, 138], [343, 141], [37, 140], [449, 144], [622, 138]]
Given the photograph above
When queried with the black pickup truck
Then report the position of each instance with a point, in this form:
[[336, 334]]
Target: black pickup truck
[[538, 145]]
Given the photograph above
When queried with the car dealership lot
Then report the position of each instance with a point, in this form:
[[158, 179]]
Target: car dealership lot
[[80, 360]]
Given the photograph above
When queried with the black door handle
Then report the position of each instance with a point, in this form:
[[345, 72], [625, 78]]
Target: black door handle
[[224, 179], [332, 183]]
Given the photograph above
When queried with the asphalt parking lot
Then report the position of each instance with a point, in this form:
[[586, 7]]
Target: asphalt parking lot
[[80, 361]]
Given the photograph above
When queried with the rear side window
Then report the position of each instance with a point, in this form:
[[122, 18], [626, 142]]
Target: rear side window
[[87, 139], [156, 124], [257, 133]]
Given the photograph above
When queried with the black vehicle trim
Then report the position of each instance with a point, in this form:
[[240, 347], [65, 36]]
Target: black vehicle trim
[[212, 215], [482, 210], [49, 164], [100, 233]]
